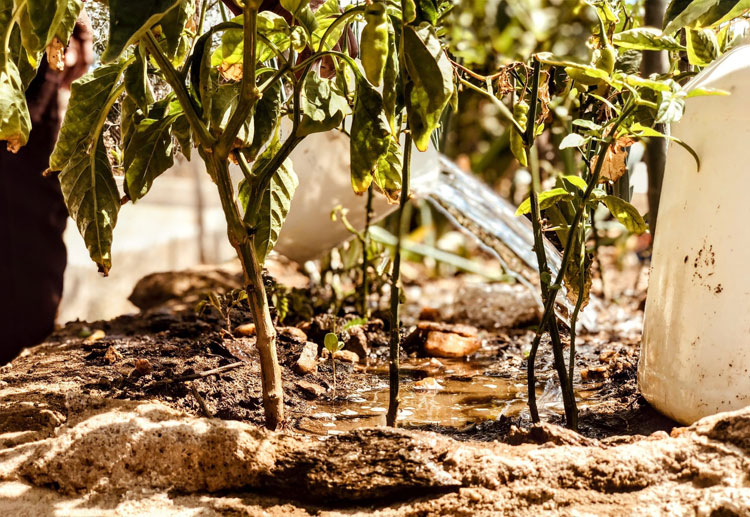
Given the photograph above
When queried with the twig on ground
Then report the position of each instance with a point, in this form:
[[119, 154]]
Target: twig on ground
[[199, 375], [201, 402]]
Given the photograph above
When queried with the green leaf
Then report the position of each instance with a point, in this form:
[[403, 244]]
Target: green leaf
[[684, 13], [391, 87], [546, 199], [369, 135], [274, 203], [325, 15], [641, 131], [50, 18], [646, 38], [224, 100], [430, 85], [41, 14], [88, 96], [671, 104], [92, 199], [15, 122], [65, 20], [136, 81], [588, 124], [148, 154], [576, 181], [130, 116], [722, 12], [183, 133], [387, 175], [572, 140], [332, 343], [626, 213], [265, 120], [173, 25], [26, 62], [702, 46], [323, 107], [129, 20], [293, 6], [702, 92], [31, 41], [270, 25]]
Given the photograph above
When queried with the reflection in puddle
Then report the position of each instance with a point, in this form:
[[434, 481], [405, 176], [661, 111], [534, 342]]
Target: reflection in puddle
[[447, 393]]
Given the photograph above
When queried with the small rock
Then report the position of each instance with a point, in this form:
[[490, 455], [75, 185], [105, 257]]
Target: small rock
[[308, 359], [442, 340], [461, 330], [112, 355], [247, 330], [94, 337], [444, 344], [292, 333], [428, 383], [357, 341], [595, 372], [429, 314], [346, 356], [311, 390], [143, 367]]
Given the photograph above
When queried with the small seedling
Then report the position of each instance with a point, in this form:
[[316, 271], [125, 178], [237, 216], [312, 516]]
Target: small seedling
[[223, 305], [333, 345]]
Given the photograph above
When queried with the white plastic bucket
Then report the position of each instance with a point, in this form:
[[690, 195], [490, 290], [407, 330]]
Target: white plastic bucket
[[695, 357]]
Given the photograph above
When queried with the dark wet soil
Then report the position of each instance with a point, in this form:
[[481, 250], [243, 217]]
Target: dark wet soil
[[157, 355]]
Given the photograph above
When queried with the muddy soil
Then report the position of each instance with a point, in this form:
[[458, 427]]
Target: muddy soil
[[114, 416]]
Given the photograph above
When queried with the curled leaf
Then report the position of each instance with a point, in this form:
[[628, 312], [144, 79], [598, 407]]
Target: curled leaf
[[615, 161]]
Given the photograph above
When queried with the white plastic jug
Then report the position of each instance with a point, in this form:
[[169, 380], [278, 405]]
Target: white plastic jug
[[695, 357]]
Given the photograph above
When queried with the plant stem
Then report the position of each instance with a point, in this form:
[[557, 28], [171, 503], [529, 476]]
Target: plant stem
[[248, 90], [597, 256], [333, 369], [571, 412], [178, 86], [365, 287], [549, 303], [579, 301], [273, 396], [395, 343]]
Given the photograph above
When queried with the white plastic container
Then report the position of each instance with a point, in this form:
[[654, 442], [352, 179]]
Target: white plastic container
[[695, 357], [321, 162]]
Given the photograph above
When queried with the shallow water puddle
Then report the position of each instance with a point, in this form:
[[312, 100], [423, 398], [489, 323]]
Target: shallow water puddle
[[449, 393]]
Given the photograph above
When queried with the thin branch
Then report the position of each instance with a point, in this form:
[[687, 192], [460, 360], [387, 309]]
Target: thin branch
[[506, 113]]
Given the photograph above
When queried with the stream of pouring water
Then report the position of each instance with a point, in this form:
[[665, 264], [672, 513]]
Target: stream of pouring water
[[478, 210]]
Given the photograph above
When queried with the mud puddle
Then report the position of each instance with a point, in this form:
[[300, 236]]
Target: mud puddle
[[446, 393]]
